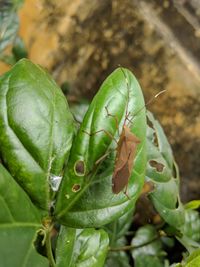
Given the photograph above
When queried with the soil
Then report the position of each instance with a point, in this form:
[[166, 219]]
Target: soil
[[81, 42]]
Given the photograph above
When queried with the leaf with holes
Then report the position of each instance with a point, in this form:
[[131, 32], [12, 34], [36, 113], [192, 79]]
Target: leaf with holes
[[85, 198], [81, 247], [36, 129], [160, 171], [19, 223]]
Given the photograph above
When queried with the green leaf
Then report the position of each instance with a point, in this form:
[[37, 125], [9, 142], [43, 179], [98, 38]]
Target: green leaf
[[85, 199], [19, 222], [160, 171], [190, 231], [116, 230], [81, 247], [147, 260], [9, 24], [159, 151], [193, 205], [119, 227], [118, 258], [148, 248], [36, 129], [193, 260], [191, 227]]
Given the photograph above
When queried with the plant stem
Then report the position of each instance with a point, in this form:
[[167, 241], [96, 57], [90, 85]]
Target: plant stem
[[49, 248], [125, 248]]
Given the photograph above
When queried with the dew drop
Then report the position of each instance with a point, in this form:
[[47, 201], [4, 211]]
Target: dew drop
[[55, 182]]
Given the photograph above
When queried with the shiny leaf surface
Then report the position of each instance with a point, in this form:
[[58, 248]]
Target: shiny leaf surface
[[191, 227], [148, 248], [36, 129], [81, 247], [19, 222]]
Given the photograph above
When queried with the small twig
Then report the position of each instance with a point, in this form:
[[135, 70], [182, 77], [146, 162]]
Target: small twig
[[49, 247]]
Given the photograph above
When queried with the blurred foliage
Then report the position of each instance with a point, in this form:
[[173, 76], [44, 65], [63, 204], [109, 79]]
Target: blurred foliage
[[9, 26]]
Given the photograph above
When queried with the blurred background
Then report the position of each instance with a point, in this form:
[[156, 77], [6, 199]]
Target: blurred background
[[81, 42]]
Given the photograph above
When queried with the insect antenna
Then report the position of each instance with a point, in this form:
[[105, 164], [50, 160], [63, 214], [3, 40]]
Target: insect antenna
[[128, 96], [147, 104]]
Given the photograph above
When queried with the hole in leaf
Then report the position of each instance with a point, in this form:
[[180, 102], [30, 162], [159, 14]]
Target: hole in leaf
[[155, 139], [157, 165], [38, 244], [79, 168], [76, 187], [149, 122], [177, 204]]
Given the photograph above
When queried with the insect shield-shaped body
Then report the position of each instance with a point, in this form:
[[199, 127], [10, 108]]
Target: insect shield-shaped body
[[126, 149]]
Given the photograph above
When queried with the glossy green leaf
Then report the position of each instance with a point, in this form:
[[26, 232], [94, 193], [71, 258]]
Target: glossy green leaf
[[116, 230], [191, 227], [36, 129], [193, 260], [148, 248], [193, 205], [160, 171], [147, 260], [81, 247], [190, 231], [118, 258], [119, 227], [85, 198], [19, 222]]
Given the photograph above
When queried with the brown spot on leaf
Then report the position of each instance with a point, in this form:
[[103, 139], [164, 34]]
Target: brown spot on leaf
[[157, 165], [76, 187], [79, 167], [155, 139]]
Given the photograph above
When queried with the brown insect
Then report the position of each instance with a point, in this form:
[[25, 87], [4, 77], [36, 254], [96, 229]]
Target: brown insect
[[126, 149]]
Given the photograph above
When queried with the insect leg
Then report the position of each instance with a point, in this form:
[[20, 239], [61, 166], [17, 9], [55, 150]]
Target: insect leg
[[126, 192], [99, 131], [103, 157], [116, 119]]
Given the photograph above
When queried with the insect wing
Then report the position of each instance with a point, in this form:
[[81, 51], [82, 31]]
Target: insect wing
[[125, 159], [121, 157], [120, 178]]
